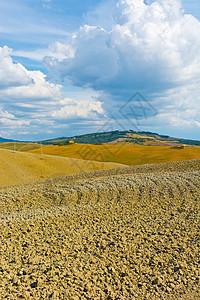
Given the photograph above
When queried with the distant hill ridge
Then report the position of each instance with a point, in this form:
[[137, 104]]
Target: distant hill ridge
[[2, 140], [129, 136]]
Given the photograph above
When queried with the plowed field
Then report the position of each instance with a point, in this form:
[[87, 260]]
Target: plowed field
[[128, 233]]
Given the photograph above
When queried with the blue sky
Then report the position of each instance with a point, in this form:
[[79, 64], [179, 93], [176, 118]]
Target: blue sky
[[68, 67]]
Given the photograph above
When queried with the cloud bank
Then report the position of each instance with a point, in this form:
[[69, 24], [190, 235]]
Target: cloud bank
[[29, 103], [150, 47], [11, 75]]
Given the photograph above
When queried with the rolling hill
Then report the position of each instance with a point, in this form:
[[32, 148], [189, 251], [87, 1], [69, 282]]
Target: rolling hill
[[20, 146], [2, 140], [128, 154], [20, 167], [129, 136], [116, 137]]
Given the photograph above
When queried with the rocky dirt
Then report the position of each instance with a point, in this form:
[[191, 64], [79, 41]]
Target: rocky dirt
[[130, 233]]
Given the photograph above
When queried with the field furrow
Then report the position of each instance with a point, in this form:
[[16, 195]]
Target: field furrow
[[129, 233]]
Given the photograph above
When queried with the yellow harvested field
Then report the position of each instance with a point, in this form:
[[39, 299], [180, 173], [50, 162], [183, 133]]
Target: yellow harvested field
[[20, 146], [127, 233], [20, 167], [124, 154]]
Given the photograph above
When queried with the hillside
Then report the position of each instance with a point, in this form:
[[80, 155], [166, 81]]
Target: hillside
[[2, 140], [130, 136], [128, 154], [19, 167], [20, 146], [129, 233], [118, 137]]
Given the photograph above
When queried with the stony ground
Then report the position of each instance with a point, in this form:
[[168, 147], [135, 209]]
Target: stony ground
[[129, 233]]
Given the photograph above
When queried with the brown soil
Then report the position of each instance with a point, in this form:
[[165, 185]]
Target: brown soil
[[130, 233]]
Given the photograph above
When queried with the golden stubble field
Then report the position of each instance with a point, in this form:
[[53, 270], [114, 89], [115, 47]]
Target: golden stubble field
[[22, 167], [126, 233], [122, 153], [128, 154]]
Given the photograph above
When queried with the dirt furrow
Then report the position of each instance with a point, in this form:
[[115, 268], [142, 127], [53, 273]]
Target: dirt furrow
[[123, 236]]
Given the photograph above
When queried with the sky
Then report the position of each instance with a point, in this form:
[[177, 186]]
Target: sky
[[73, 67]]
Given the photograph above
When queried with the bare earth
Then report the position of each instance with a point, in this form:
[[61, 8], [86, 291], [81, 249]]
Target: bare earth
[[126, 233]]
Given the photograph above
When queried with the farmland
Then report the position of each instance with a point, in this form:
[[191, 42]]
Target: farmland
[[126, 233], [124, 153]]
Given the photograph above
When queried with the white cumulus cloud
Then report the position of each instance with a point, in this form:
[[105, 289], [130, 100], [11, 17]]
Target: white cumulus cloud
[[38, 89], [11, 74], [16, 82], [73, 109], [30, 103], [152, 48], [149, 47], [57, 50]]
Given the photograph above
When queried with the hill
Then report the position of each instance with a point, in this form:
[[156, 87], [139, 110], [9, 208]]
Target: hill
[[128, 154], [19, 167], [20, 146], [2, 140], [129, 136]]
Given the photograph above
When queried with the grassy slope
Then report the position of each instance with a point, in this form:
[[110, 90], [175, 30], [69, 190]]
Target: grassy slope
[[20, 146], [125, 154], [19, 167]]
